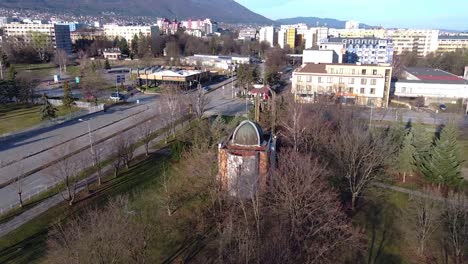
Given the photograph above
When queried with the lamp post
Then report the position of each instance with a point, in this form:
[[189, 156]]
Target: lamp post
[[90, 136]]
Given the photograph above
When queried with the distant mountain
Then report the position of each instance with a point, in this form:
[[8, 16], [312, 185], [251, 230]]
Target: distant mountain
[[220, 10], [316, 21]]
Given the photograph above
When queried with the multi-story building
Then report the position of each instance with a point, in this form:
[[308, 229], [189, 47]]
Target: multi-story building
[[366, 50], [167, 26], [57, 35], [282, 38], [360, 84], [452, 43], [291, 37], [360, 33], [248, 34], [129, 32], [433, 85], [268, 34], [6, 20], [86, 34], [421, 42], [338, 47]]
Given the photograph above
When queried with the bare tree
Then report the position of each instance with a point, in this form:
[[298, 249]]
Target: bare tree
[[61, 59], [309, 214], [67, 173], [146, 132], [170, 108], [294, 123], [19, 186], [200, 101], [455, 227], [359, 155], [118, 150], [426, 217], [87, 238]]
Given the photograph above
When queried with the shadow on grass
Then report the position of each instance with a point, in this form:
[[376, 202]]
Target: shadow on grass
[[378, 215]]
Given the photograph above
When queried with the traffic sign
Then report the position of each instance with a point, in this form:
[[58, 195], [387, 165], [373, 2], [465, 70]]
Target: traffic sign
[[120, 78]]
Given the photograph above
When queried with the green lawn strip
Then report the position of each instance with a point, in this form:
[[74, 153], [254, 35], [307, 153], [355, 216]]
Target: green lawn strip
[[20, 117]]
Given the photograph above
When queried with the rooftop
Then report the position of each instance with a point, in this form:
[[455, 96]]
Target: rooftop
[[430, 75], [321, 67], [453, 37]]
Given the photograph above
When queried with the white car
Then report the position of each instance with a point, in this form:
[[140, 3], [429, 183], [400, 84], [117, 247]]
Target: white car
[[117, 97]]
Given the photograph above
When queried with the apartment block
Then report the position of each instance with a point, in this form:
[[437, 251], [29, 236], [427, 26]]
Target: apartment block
[[366, 50], [452, 43], [57, 35], [355, 84], [128, 32], [421, 42], [291, 37], [268, 34]]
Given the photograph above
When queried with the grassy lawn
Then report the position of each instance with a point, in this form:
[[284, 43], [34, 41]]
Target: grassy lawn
[[37, 71], [15, 117], [389, 231]]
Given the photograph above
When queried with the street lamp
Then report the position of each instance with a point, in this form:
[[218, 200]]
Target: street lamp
[[90, 136]]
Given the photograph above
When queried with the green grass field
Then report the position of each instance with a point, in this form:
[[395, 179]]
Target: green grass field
[[14, 117]]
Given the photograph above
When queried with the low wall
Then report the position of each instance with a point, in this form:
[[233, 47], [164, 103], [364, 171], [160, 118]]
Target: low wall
[[92, 108]]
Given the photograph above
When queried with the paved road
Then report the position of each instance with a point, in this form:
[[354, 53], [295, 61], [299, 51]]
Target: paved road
[[31, 153]]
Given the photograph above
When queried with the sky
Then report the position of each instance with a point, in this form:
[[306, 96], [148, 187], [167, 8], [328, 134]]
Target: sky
[[440, 14]]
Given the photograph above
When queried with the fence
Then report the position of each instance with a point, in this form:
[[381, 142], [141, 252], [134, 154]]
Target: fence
[[27, 198]]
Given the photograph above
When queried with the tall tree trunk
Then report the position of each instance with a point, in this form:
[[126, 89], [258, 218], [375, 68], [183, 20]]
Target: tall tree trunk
[[404, 176]]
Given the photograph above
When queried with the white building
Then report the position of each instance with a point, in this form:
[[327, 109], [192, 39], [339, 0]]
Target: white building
[[269, 35], [352, 24], [420, 41], [248, 34], [282, 37], [432, 84], [350, 83], [128, 32], [319, 56], [338, 47], [56, 35]]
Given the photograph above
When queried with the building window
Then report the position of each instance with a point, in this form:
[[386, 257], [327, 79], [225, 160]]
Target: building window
[[373, 82], [341, 70], [372, 91], [363, 90], [340, 80], [332, 70], [308, 87], [319, 79], [353, 71], [299, 78], [374, 72], [351, 80], [363, 81], [350, 90], [309, 78], [363, 72], [403, 89], [329, 79]]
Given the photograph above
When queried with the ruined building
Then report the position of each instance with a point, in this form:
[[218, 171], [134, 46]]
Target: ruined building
[[245, 159]]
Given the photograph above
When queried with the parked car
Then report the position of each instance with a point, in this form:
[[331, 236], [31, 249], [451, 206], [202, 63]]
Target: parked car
[[442, 107], [117, 97]]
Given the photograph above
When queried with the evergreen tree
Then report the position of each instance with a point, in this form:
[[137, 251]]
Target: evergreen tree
[[422, 141], [107, 65], [123, 46], [443, 164], [405, 161], [48, 111], [68, 100]]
